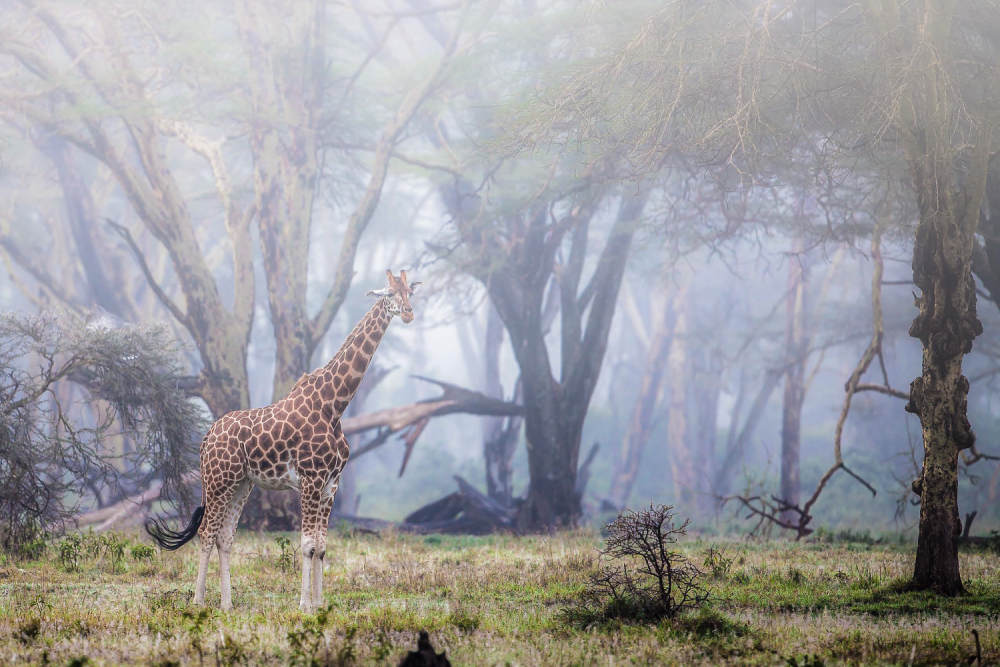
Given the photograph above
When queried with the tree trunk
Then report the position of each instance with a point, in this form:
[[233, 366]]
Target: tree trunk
[[706, 392], [947, 323], [500, 435], [640, 424], [554, 412], [796, 346], [682, 467], [939, 397]]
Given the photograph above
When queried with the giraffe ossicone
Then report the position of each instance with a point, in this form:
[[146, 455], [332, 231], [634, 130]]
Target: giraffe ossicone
[[295, 443]]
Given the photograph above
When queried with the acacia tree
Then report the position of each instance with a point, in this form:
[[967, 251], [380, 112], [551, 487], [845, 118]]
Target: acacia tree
[[95, 82], [261, 109], [764, 84], [520, 247]]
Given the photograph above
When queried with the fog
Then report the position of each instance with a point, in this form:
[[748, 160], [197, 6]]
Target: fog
[[242, 174]]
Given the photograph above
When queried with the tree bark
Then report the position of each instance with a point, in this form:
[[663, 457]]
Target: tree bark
[[946, 324]]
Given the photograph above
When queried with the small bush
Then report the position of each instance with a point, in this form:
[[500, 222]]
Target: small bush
[[310, 647], [232, 652], [992, 543], [286, 555], [640, 578], [114, 547], [194, 625], [29, 631], [463, 621], [142, 552], [718, 562], [71, 550]]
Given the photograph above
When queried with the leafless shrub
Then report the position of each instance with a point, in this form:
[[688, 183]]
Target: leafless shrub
[[54, 438], [640, 577]]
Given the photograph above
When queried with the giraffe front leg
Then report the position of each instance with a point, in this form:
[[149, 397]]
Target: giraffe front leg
[[305, 604], [318, 560]]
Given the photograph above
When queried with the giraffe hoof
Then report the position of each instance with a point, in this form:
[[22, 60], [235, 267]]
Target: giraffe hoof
[[305, 607]]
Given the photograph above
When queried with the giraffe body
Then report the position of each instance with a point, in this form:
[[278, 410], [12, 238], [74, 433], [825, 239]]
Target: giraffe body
[[296, 443]]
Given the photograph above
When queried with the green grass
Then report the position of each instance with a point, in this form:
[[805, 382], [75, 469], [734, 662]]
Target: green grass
[[489, 601]]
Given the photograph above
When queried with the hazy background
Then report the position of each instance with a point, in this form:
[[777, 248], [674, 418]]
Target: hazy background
[[193, 65]]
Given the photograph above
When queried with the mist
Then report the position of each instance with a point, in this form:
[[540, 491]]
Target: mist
[[669, 314]]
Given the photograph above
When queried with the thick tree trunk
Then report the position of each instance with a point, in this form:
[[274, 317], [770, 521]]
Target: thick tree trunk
[[640, 424], [946, 326], [796, 346], [949, 180], [554, 412]]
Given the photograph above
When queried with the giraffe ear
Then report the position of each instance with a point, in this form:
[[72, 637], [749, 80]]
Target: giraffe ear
[[379, 293], [415, 286]]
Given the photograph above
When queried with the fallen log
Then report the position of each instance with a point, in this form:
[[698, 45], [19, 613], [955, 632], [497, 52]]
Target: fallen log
[[407, 420], [466, 511]]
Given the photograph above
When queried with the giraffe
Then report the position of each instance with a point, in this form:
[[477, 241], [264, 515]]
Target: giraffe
[[295, 443]]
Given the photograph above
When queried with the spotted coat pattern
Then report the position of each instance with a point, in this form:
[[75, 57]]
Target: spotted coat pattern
[[296, 443]]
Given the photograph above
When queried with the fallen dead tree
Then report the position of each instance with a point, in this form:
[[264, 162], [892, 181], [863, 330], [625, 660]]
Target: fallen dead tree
[[463, 512], [406, 421]]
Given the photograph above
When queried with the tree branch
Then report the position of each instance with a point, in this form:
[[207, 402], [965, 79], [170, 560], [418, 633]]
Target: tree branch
[[174, 309]]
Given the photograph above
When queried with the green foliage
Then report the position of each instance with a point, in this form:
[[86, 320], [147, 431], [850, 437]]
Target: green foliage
[[498, 599], [805, 661], [718, 562], [71, 551], [708, 622], [29, 631], [143, 553], [309, 646], [463, 621], [110, 547], [286, 555], [232, 652], [194, 625], [992, 543], [132, 371], [114, 547]]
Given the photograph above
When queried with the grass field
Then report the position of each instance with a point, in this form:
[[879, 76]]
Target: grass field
[[488, 601]]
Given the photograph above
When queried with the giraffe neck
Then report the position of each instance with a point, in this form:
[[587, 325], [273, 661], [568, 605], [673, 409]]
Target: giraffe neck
[[342, 375]]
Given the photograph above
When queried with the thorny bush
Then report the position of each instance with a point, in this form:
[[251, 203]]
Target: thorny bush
[[640, 578], [72, 392]]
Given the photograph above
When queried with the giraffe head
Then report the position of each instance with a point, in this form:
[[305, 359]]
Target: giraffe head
[[397, 294]]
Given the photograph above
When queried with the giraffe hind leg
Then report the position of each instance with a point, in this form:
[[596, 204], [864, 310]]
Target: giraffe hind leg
[[226, 536], [314, 523], [217, 501]]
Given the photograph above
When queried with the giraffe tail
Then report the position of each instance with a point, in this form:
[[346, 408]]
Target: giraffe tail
[[170, 540]]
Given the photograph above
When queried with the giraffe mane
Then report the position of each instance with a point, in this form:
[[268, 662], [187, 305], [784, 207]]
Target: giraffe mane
[[340, 353]]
